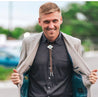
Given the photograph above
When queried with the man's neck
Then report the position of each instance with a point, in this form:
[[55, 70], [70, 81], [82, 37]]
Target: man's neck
[[51, 39]]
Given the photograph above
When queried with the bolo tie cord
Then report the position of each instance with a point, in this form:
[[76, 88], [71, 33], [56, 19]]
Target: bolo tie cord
[[50, 47]]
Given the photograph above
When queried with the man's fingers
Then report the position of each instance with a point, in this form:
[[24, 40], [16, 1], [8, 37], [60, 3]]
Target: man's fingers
[[95, 70], [93, 76], [15, 77], [94, 73], [92, 81], [15, 71], [16, 81]]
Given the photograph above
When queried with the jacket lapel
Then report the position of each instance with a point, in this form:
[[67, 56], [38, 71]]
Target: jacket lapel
[[29, 60], [77, 60]]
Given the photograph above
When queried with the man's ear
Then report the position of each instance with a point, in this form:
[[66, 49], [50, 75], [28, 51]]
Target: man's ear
[[61, 20], [39, 21]]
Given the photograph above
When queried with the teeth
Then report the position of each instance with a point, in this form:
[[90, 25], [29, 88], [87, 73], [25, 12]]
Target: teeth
[[50, 30]]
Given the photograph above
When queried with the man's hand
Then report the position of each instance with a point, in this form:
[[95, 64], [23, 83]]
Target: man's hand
[[15, 77], [93, 76]]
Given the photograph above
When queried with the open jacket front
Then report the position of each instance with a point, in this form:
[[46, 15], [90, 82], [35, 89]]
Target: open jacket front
[[81, 83]]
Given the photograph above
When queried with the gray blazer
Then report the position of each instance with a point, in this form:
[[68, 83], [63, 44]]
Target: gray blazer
[[28, 52]]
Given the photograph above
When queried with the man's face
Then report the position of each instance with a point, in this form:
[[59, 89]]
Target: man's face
[[50, 24]]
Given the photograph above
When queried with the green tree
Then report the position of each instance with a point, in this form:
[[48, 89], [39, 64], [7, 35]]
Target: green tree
[[3, 31], [37, 28], [17, 32], [90, 9], [85, 28], [81, 28]]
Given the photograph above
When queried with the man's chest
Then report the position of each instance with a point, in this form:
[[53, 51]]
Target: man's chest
[[59, 55]]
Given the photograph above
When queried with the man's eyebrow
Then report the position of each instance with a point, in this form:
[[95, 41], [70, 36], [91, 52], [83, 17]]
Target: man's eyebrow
[[46, 20], [55, 20]]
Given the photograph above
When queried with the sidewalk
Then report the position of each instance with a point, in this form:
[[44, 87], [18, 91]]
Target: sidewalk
[[90, 54], [8, 89], [7, 84]]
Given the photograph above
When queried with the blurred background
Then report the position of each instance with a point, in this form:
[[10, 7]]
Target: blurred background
[[19, 19]]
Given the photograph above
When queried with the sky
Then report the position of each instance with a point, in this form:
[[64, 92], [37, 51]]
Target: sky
[[24, 13]]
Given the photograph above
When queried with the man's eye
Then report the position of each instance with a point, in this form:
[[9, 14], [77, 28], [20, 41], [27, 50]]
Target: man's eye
[[46, 22], [55, 21]]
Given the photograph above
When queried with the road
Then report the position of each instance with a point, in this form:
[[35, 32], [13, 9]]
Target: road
[[93, 63], [7, 89]]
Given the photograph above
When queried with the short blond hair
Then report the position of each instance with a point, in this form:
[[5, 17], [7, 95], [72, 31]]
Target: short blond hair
[[48, 8]]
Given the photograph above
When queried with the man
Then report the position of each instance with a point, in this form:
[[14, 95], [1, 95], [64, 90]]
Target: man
[[50, 63]]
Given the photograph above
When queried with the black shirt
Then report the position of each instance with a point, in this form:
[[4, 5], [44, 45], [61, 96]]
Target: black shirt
[[41, 84]]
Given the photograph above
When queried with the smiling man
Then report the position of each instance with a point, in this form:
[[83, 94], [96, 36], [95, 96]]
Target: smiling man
[[50, 24], [51, 64]]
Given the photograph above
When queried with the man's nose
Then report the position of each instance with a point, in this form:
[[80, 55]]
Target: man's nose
[[51, 25]]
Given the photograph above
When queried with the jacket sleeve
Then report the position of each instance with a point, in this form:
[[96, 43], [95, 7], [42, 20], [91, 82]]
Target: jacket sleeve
[[79, 47], [23, 53], [85, 77]]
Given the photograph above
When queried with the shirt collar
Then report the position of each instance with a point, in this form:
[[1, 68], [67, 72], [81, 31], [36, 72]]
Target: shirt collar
[[57, 41]]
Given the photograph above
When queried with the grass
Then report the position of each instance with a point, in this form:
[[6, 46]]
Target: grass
[[5, 73]]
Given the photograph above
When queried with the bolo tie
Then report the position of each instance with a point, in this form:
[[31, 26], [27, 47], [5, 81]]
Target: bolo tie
[[50, 47]]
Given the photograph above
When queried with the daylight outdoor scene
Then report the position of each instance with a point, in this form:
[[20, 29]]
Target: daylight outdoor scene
[[19, 19]]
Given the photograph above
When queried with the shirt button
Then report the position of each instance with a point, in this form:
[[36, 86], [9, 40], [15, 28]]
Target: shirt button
[[48, 87]]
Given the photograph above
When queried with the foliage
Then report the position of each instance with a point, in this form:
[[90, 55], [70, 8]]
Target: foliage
[[81, 28], [5, 73], [4, 31], [37, 28], [17, 32]]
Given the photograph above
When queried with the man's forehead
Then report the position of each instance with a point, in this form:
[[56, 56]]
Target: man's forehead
[[50, 19], [51, 14]]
